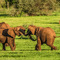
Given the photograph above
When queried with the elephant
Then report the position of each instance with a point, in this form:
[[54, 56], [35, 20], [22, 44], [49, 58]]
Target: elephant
[[44, 35], [4, 25], [18, 28], [8, 36]]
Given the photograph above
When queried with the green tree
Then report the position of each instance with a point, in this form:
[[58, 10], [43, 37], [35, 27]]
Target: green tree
[[2, 3]]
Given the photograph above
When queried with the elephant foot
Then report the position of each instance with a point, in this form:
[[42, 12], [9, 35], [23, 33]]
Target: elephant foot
[[12, 49], [55, 48], [7, 44], [3, 49], [38, 49]]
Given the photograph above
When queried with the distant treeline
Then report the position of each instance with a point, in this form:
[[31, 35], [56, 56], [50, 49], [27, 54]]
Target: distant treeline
[[29, 7]]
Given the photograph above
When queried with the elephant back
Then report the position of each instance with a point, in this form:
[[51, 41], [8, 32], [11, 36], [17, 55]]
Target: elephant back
[[49, 31], [4, 25]]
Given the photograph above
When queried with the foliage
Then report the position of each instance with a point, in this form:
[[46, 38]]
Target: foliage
[[2, 3], [30, 7]]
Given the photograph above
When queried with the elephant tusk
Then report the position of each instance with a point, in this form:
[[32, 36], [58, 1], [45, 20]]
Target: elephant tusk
[[21, 33]]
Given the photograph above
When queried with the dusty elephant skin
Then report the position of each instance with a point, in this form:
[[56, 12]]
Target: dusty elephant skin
[[8, 36], [7, 26], [44, 35], [4, 25], [18, 28]]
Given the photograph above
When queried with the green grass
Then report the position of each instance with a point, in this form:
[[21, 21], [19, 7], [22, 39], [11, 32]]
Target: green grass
[[25, 48]]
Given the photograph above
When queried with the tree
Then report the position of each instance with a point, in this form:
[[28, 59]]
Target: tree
[[2, 3]]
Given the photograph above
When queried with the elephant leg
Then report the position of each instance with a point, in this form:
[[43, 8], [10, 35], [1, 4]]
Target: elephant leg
[[10, 42], [14, 45], [3, 46], [52, 47], [38, 46], [50, 43], [11, 46]]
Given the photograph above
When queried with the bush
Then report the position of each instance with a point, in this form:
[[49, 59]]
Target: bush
[[30, 7]]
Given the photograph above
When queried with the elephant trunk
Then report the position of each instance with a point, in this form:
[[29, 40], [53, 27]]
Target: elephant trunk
[[26, 34], [22, 32]]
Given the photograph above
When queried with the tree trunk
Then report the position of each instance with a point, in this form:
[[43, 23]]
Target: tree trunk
[[7, 5]]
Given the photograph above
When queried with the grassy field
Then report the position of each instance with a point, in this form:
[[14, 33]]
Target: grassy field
[[25, 48]]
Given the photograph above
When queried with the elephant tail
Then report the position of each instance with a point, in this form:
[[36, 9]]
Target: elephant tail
[[57, 36]]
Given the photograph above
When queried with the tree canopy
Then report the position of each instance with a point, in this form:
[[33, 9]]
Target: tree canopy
[[30, 7]]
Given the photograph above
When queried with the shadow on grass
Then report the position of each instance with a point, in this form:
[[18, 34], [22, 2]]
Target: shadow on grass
[[12, 55], [4, 15], [37, 50], [58, 53], [51, 23], [21, 51], [21, 38], [26, 39], [54, 23]]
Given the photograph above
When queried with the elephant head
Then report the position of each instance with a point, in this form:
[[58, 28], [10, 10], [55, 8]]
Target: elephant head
[[19, 29], [31, 30]]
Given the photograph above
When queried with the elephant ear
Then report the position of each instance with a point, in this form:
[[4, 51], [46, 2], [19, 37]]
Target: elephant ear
[[38, 30], [10, 33], [32, 29]]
